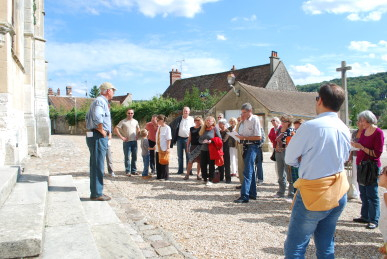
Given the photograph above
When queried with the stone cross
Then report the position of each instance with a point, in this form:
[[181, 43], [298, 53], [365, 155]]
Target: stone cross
[[343, 69]]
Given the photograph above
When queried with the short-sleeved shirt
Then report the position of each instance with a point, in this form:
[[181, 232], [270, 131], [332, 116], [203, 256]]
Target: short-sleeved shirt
[[152, 129], [250, 127], [165, 135], [129, 128], [184, 126], [99, 113]]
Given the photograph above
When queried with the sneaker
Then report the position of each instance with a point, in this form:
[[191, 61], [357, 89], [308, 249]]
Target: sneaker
[[208, 183], [112, 174], [278, 196], [147, 177], [260, 182], [372, 225], [134, 173], [128, 174]]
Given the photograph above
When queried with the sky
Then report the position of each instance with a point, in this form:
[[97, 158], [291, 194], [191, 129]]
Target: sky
[[134, 44]]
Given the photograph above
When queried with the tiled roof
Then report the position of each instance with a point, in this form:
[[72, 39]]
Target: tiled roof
[[120, 98], [290, 102], [257, 76], [66, 103]]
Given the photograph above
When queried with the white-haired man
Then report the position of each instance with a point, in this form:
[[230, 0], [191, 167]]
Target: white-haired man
[[98, 124]]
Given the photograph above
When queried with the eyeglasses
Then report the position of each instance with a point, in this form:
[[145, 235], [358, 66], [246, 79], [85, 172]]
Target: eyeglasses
[[317, 98], [196, 120], [285, 121]]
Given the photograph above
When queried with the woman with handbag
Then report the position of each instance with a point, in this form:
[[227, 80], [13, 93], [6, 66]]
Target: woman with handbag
[[193, 147], [163, 142], [370, 147], [206, 133], [225, 170]]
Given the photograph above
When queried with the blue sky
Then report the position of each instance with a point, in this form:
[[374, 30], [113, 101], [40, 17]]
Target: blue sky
[[135, 43]]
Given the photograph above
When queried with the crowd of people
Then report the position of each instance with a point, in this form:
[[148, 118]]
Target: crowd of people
[[310, 159]]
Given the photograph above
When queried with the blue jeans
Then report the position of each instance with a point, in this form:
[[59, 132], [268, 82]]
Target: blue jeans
[[258, 164], [130, 148], [305, 223], [249, 187], [370, 207], [97, 146], [146, 159], [181, 148]]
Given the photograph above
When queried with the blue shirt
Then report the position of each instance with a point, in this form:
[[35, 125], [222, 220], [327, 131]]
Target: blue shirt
[[323, 144], [99, 113]]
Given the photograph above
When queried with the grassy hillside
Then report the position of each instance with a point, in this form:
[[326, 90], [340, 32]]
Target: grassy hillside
[[364, 93]]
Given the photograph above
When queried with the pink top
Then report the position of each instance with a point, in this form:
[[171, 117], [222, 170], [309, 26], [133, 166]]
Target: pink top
[[374, 142]]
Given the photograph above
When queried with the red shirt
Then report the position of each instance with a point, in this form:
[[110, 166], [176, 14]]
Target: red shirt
[[374, 142], [152, 129], [273, 135]]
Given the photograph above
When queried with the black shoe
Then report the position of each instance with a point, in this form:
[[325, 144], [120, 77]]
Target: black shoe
[[238, 187], [240, 200], [360, 220], [252, 197], [228, 181], [372, 225]]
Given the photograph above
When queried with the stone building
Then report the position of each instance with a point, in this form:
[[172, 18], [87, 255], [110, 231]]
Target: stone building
[[271, 76], [267, 103], [24, 116]]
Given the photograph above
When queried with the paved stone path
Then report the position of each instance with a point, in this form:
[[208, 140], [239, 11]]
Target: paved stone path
[[69, 155]]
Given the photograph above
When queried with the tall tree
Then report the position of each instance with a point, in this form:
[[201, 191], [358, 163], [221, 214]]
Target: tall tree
[[94, 92]]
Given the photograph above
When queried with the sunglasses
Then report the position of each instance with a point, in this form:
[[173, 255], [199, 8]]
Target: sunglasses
[[284, 121]]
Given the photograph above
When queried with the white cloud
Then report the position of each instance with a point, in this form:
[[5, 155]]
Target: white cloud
[[124, 61], [365, 68], [221, 37], [357, 10], [251, 18], [361, 45], [384, 57], [151, 8]]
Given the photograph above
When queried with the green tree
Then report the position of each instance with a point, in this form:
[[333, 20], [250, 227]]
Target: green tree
[[94, 92], [358, 103]]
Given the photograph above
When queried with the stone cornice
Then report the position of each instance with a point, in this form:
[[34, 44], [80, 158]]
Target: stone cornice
[[6, 27]]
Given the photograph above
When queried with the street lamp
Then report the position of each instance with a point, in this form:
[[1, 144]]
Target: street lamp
[[231, 82]]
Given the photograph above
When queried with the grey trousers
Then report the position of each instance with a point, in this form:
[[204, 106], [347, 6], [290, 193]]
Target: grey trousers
[[283, 173], [109, 160]]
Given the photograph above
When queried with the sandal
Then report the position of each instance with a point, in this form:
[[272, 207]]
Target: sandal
[[186, 177]]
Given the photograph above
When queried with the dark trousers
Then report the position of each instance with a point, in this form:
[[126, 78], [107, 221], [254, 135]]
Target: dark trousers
[[226, 167], [204, 162], [162, 170], [152, 155]]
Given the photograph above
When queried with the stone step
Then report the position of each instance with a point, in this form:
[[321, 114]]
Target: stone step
[[8, 178], [67, 232], [22, 220], [113, 238]]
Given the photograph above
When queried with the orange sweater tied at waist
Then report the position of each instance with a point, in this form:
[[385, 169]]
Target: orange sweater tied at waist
[[324, 193]]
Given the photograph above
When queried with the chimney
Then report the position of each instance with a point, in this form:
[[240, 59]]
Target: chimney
[[233, 68], [58, 92], [173, 76], [50, 92], [274, 61], [68, 91]]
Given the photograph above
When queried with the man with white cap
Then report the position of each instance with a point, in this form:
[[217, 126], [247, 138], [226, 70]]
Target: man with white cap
[[98, 124]]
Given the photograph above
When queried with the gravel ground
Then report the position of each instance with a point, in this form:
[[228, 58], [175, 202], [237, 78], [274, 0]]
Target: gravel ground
[[204, 220]]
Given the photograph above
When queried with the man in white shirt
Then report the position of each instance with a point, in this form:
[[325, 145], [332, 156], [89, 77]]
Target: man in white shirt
[[180, 133], [128, 130]]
